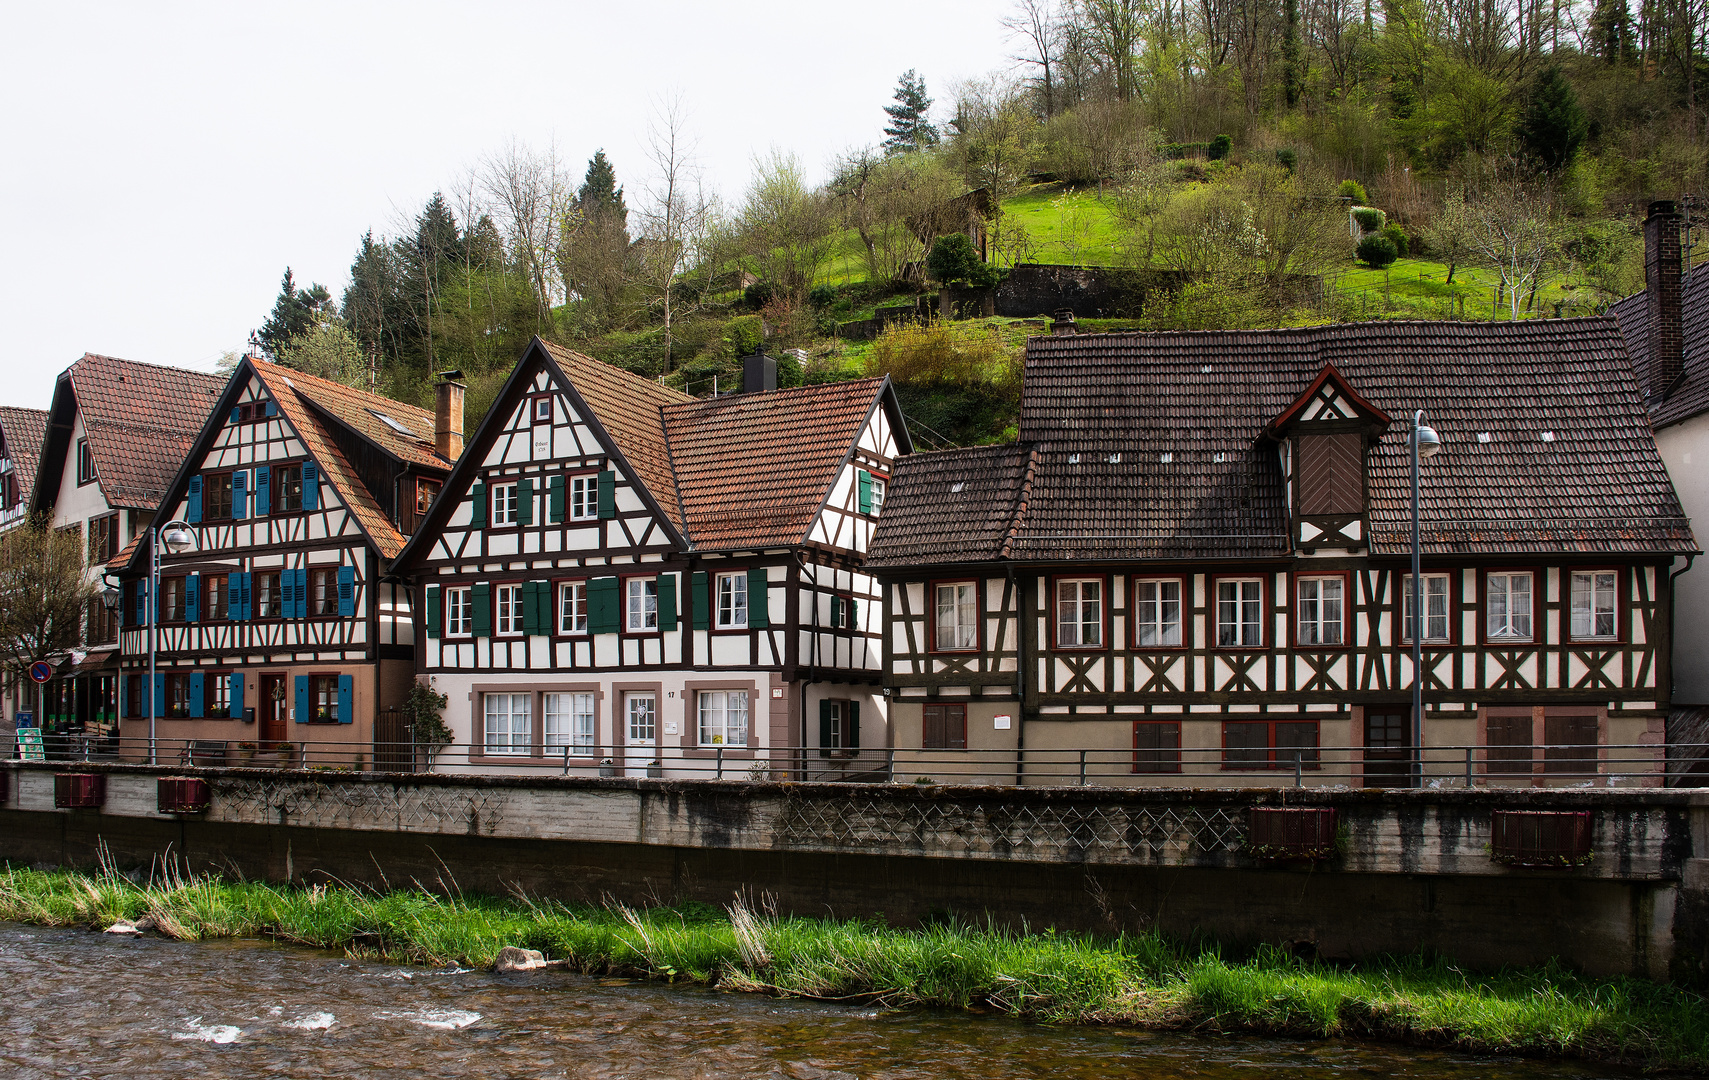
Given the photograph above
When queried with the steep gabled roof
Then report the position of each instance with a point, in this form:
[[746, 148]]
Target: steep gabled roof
[[1151, 446], [1691, 397], [753, 469], [954, 506], [24, 429], [140, 420]]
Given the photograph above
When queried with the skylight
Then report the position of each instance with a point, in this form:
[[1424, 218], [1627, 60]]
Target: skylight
[[393, 424]]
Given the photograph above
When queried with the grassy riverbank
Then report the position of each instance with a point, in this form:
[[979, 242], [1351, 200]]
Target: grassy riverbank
[[1138, 979]]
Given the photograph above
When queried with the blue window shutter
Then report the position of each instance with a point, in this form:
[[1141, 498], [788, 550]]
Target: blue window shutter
[[234, 596], [194, 513], [555, 500], [864, 480], [239, 495], [759, 611], [160, 693], [667, 601], [236, 416], [263, 478], [433, 611], [248, 603], [346, 694], [346, 591], [139, 610], [478, 506], [272, 408], [192, 597], [481, 609], [700, 598], [311, 486], [302, 592], [237, 695], [607, 486], [525, 501], [302, 689], [288, 592], [198, 689]]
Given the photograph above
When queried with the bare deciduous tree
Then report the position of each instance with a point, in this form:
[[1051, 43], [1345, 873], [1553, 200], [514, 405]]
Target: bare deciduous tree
[[529, 191], [1513, 231], [1034, 23], [43, 595], [678, 216]]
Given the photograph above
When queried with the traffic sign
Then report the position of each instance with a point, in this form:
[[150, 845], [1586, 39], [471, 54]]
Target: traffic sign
[[41, 671]]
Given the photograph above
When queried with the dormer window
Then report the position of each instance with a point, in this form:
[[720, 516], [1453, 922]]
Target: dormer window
[[1326, 433]]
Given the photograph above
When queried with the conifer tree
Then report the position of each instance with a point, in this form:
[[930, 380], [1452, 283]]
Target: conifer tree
[[908, 128], [599, 195], [1554, 124], [295, 313]]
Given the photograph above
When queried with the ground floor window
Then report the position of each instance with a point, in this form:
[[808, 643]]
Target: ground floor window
[[507, 723], [839, 726], [723, 717], [177, 696], [569, 720], [217, 687], [323, 697], [1157, 746], [1269, 744], [943, 727]]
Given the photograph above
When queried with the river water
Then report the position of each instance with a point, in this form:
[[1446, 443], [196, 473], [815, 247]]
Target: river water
[[80, 1004]]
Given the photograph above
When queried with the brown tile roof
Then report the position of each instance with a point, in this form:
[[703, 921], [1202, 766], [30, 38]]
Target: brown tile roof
[[122, 559], [24, 431], [140, 420], [753, 469], [954, 506], [1150, 445], [305, 399], [629, 408], [1691, 397]]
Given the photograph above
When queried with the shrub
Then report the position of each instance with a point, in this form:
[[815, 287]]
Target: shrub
[[744, 335], [1352, 189], [1376, 252], [822, 296], [1370, 219], [758, 295], [1288, 159], [1221, 147], [952, 258], [1397, 236], [933, 355]]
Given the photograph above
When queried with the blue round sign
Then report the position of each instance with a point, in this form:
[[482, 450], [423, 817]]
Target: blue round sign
[[41, 671]]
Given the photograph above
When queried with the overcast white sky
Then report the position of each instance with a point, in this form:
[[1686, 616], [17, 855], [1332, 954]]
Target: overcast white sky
[[163, 163]]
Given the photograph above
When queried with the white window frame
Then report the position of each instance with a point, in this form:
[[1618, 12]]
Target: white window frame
[[584, 497], [721, 717], [1587, 605], [1151, 613], [572, 607], [876, 493], [1078, 606], [569, 719], [504, 504], [1512, 625], [1248, 594], [506, 730], [641, 605], [650, 715], [839, 711], [963, 607], [1431, 596], [1320, 618], [732, 601], [459, 612], [507, 610]]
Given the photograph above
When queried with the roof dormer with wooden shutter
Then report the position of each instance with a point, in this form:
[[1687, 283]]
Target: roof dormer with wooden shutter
[[1325, 438]]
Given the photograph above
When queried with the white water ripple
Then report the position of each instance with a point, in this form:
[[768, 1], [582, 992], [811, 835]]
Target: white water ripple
[[437, 1019], [319, 1021], [219, 1034]]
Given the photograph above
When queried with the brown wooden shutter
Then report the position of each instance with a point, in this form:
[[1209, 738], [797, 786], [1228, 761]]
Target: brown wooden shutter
[[1571, 742], [1509, 741], [1332, 474]]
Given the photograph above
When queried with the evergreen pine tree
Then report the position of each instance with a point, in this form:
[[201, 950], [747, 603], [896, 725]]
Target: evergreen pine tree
[[436, 235], [599, 195], [295, 313], [908, 128], [1553, 125]]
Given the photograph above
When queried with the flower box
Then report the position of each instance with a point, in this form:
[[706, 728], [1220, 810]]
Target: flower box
[[74, 791], [182, 795], [1291, 832], [1549, 838]]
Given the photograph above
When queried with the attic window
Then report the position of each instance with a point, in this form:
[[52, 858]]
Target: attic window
[[1483, 436], [957, 486], [1206, 370], [1073, 459], [1548, 436], [1115, 459], [1220, 458], [1166, 458], [393, 424]]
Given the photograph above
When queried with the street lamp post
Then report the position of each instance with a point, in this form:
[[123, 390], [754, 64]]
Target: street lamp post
[[1425, 443], [178, 539]]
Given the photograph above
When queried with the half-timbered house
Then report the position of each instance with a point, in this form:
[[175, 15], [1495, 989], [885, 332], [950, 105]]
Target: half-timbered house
[[624, 577], [281, 624], [1196, 561], [116, 431]]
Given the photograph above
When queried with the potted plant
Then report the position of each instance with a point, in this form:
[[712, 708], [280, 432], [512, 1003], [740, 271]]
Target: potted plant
[[424, 710], [607, 767], [655, 769], [245, 753]]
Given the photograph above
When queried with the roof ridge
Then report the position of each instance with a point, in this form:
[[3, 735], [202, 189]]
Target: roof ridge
[[1022, 495], [623, 375]]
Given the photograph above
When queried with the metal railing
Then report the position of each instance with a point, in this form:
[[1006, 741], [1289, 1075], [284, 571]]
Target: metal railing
[[1619, 765]]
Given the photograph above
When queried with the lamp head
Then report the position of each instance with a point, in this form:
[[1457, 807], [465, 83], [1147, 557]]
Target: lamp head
[[1429, 443], [178, 538], [110, 599]]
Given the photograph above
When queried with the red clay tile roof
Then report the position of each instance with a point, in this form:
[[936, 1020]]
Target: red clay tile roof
[[361, 411], [1150, 445], [122, 559], [628, 407], [1691, 397], [24, 431], [140, 420], [753, 469]]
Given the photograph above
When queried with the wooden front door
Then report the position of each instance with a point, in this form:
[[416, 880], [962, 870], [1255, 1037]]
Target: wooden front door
[[1388, 731], [272, 707]]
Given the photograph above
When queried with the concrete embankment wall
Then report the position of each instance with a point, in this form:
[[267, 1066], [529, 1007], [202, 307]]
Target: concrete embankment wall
[[1414, 870]]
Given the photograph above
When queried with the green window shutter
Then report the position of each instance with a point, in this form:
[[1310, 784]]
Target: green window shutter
[[667, 601], [851, 736], [863, 480], [478, 506], [603, 616], [525, 501], [759, 614], [555, 511], [608, 494], [836, 612], [700, 599], [537, 607], [824, 729], [853, 614], [481, 604], [433, 611]]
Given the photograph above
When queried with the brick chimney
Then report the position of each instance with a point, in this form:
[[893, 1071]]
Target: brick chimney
[[1664, 289], [1063, 324], [448, 415]]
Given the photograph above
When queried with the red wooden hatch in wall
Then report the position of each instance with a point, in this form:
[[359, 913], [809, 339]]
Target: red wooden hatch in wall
[[73, 791], [1291, 832], [183, 795], [1554, 838]]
